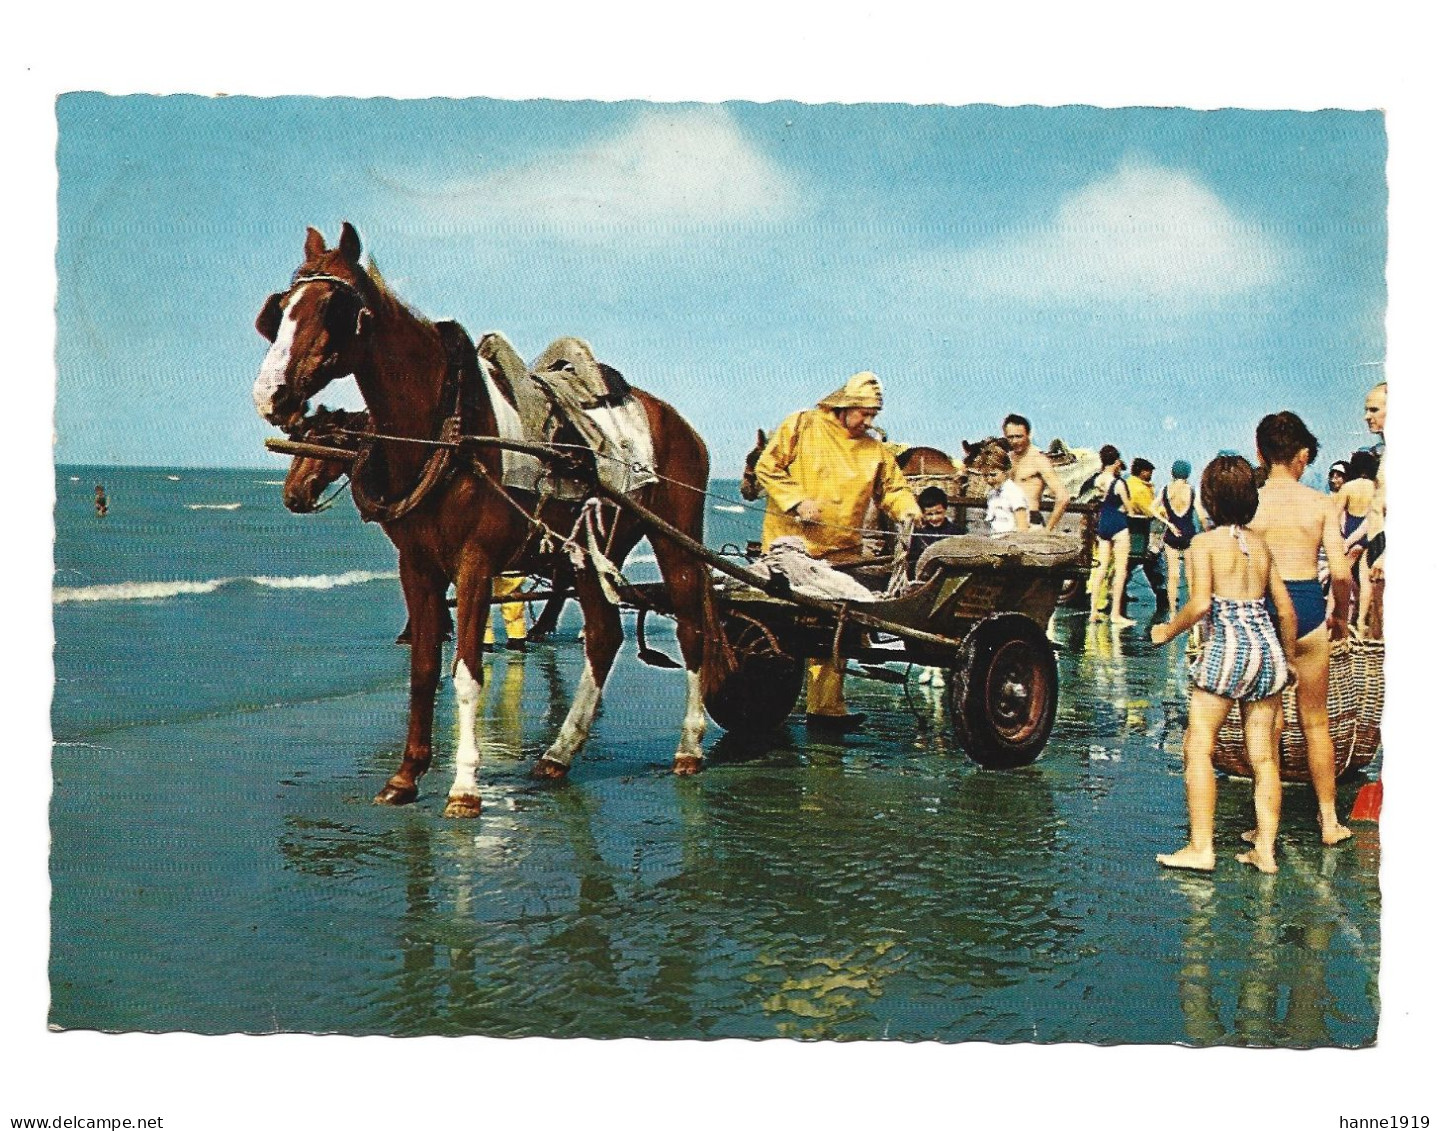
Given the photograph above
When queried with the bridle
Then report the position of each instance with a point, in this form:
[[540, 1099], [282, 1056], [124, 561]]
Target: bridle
[[344, 284], [298, 280]]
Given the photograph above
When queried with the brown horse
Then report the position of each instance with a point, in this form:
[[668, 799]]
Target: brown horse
[[308, 477], [451, 522]]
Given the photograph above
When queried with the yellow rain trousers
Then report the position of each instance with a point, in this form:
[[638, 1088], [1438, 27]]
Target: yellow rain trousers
[[511, 612], [811, 456]]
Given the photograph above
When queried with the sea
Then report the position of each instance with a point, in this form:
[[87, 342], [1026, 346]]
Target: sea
[[229, 697]]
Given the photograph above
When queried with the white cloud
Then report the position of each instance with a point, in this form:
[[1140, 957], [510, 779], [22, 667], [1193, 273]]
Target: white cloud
[[682, 168], [1144, 233]]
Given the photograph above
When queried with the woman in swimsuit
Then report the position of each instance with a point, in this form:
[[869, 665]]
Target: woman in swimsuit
[[1243, 660], [1112, 544], [1352, 503], [1177, 502]]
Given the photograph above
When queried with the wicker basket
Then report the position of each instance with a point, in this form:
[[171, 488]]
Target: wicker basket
[[1368, 657], [1356, 698]]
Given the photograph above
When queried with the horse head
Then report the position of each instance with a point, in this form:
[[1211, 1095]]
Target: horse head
[[749, 487], [317, 329], [308, 477]]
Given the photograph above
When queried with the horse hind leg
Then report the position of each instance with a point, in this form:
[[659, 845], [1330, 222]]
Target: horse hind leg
[[602, 641]]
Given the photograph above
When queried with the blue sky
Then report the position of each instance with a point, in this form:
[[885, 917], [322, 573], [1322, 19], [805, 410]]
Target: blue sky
[[1157, 279]]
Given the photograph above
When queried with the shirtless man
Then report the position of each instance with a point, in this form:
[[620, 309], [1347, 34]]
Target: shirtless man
[[1376, 409], [1033, 472], [1295, 521]]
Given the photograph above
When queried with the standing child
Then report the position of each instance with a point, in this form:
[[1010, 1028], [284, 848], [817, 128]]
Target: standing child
[[1231, 572], [933, 526], [1006, 506]]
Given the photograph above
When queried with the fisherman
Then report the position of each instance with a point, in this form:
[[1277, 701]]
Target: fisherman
[[1033, 472], [821, 469]]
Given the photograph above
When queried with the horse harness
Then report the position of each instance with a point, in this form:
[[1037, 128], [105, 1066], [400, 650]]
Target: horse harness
[[461, 397]]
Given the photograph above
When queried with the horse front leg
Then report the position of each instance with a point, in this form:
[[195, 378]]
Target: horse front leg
[[425, 602], [473, 610], [685, 580], [602, 640]]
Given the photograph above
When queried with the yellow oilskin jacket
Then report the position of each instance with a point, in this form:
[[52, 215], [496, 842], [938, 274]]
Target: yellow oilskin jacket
[[811, 456]]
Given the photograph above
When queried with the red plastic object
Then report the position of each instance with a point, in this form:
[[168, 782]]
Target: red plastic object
[[1367, 802]]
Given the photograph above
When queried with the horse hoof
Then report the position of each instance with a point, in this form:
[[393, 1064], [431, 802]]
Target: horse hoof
[[687, 764], [465, 805], [547, 769], [394, 794]]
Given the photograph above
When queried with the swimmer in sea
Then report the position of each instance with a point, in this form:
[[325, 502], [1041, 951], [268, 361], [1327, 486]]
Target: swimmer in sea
[[1296, 521], [1243, 660]]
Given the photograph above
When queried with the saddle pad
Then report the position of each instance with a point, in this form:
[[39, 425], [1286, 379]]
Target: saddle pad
[[566, 385], [522, 411], [597, 401]]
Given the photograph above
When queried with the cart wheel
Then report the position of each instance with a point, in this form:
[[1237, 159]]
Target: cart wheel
[[760, 693], [1073, 594], [1004, 692]]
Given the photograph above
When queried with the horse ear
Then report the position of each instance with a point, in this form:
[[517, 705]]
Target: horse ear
[[967, 446], [268, 320], [760, 437], [314, 244], [349, 242]]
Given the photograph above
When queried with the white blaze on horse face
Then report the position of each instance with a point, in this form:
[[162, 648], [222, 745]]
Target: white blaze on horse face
[[692, 731], [576, 727], [467, 754], [275, 369]]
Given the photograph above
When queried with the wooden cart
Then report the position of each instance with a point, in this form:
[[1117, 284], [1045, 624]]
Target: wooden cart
[[980, 612]]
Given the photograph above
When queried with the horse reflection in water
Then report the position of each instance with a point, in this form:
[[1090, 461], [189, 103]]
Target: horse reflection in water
[[447, 517]]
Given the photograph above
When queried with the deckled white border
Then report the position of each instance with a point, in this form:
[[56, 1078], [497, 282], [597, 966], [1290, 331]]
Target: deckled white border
[[1250, 53]]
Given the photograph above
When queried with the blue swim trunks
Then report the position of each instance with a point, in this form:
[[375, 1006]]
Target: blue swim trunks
[[1309, 605]]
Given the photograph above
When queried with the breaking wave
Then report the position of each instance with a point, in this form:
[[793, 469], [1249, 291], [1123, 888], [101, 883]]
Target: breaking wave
[[162, 590], [212, 506]]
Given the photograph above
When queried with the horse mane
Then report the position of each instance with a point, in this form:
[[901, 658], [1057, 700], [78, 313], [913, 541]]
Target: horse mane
[[384, 294]]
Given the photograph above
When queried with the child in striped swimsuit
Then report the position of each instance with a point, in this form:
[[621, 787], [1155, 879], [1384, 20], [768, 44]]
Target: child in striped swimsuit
[[1243, 660]]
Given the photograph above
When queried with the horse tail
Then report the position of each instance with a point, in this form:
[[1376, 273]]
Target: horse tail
[[718, 664]]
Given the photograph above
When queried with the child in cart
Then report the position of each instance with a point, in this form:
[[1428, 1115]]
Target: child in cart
[[933, 526], [1242, 660]]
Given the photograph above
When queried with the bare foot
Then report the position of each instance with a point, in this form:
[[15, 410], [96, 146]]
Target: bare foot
[[1096, 617], [1265, 863], [1121, 621], [686, 764], [1189, 858], [1335, 834]]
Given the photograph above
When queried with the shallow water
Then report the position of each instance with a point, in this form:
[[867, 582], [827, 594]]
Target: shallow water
[[218, 866]]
